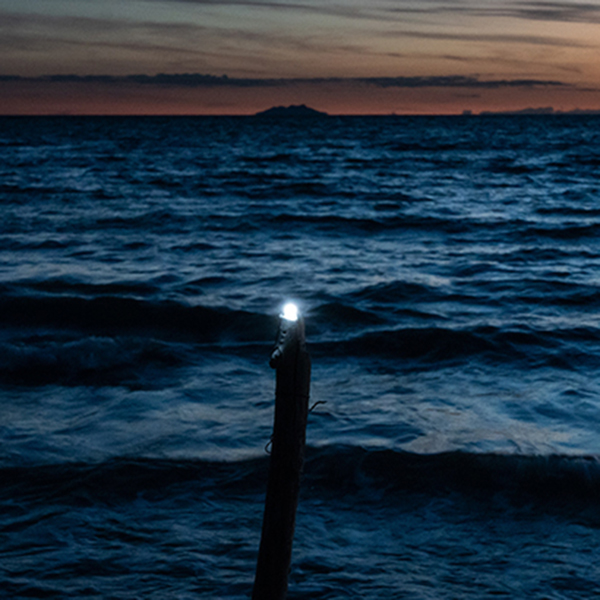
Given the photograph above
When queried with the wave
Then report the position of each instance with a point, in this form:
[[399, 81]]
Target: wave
[[562, 231], [62, 285], [342, 316], [114, 315], [432, 146], [158, 219], [140, 358], [114, 340], [70, 361], [388, 218], [398, 291], [345, 225], [431, 346], [510, 166], [547, 478], [45, 324], [570, 211], [552, 289], [331, 471], [385, 204]]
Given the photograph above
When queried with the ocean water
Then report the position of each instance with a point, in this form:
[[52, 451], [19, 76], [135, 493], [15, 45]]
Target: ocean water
[[448, 270]]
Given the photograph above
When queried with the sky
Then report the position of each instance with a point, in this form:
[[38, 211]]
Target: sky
[[338, 56]]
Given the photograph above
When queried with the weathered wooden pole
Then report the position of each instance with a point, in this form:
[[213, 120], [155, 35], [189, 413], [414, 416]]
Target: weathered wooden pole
[[292, 363]]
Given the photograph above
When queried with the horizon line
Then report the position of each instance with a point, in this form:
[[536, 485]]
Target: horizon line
[[526, 112]]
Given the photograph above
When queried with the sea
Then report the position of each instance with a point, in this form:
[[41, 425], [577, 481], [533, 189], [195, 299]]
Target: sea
[[448, 273]]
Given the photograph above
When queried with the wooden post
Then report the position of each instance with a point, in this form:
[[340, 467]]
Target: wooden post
[[292, 363]]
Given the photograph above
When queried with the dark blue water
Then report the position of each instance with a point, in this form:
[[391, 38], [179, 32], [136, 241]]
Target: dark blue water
[[449, 273]]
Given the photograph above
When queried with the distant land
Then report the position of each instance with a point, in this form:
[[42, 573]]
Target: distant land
[[546, 110], [295, 111], [299, 111]]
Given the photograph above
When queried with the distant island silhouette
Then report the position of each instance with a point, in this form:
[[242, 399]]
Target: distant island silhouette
[[295, 111], [545, 110]]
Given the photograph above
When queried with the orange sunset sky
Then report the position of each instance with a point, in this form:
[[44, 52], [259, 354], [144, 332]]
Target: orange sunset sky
[[339, 56]]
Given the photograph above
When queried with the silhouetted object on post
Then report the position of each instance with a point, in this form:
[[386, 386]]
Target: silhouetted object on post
[[292, 363]]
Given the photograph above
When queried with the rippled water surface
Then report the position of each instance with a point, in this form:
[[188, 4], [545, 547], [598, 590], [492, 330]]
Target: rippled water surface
[[448, 272]]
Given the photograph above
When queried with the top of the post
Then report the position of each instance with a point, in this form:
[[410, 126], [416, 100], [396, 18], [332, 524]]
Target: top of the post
[[291, 330]]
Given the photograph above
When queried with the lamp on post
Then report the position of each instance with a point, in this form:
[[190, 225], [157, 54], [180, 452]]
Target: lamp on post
[[291, 361]]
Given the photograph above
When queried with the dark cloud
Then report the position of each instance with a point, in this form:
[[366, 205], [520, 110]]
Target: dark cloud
[[339, 9], [162, 79], [27, 31], [506, 38], [577, 12], [70, 44], [209, 81], [581, 12], [460, 81], [572, 12]]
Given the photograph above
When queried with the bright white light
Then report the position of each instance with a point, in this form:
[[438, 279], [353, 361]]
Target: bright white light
[[290, 312]]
